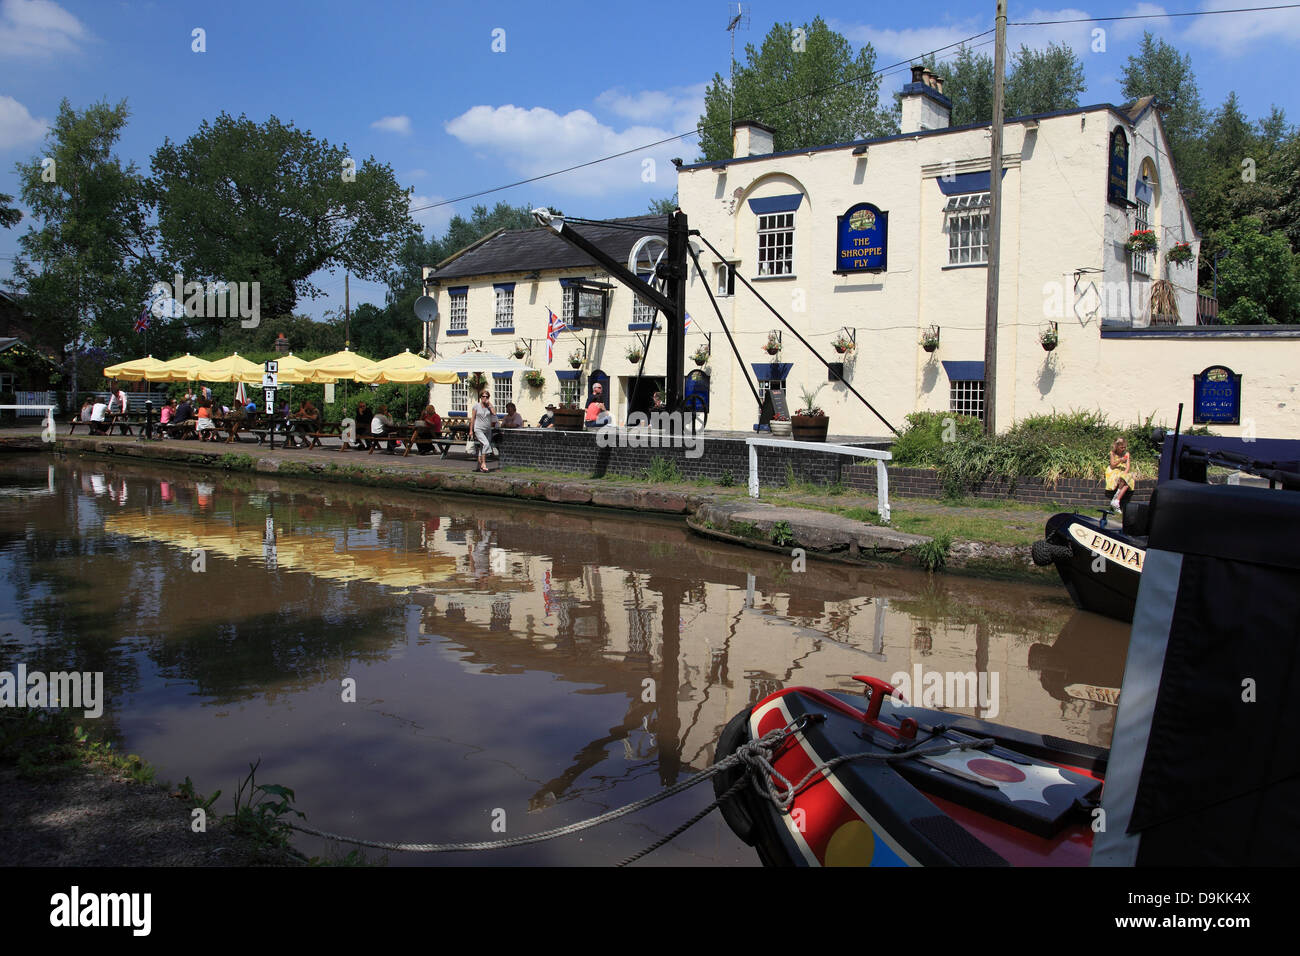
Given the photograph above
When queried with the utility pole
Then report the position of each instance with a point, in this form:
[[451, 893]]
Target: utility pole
[[347, 314], [995, 228]]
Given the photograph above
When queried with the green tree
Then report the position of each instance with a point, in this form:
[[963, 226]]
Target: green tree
[[462, 232], [1042, 81], [1258, 280], [1159, 70], [665, 206], [269, 203], [85, 270], [968, 82], [808, 85], [9, 216]]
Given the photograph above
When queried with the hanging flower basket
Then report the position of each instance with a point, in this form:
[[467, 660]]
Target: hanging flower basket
[[575, 359], [843, 344], [534, 379], [701, 356], [1049, 339], [520, 353], [1179, 253], [1141, 241], [634, 354], [773, 345], [476, 382], [930, 338]]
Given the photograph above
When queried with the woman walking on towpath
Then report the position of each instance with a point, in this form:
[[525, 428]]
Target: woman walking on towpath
[[483, 418]]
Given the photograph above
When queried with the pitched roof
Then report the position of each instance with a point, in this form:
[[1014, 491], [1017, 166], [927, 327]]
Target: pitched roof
[[532, 250]]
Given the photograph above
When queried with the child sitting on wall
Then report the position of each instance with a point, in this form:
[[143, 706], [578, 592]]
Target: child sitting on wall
[[1118, 476]]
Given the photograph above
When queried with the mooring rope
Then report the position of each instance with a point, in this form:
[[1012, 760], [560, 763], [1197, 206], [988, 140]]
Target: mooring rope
[[755, 755]]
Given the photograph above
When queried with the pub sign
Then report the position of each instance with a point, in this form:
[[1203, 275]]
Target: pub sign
[[1216, 397], [862, 239], [1117, 171]]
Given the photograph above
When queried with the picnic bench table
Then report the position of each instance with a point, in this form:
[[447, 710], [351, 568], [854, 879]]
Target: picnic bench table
[[108, 423]]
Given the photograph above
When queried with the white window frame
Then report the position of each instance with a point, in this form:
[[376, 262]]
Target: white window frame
[[643, 313], [458, 309], [776, 244], [569, 310], [968, 229], [1142, 220], [966, 397], [570, 388], [503, 391], [726, 283], [505, 315], [765, 385], [460, 397]]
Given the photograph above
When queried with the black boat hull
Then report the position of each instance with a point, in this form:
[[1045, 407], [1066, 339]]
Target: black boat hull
[[1100, 566]]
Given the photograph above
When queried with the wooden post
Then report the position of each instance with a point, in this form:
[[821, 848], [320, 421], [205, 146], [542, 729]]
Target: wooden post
[[995, 227]]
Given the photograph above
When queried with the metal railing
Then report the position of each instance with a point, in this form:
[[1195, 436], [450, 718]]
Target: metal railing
[[882, 476], [48, 424]]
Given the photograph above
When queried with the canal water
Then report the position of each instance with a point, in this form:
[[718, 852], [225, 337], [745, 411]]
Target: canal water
[[423, 668]]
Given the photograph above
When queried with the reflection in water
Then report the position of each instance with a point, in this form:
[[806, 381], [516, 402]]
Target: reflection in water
[[548, 664]]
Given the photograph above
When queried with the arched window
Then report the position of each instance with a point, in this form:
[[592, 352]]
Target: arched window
[[1146, 213]]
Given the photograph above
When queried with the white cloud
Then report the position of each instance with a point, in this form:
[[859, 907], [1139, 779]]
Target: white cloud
[[912, 43], [1233, 34], [435, 219], [38, 28], [678, 108], [1160, 25], [393, 124], [17, 126], [538, 140]]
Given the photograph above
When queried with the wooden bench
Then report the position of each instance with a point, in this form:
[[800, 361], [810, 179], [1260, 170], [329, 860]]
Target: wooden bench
[[323, 430]]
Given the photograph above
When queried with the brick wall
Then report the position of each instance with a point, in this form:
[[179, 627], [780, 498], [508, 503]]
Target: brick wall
[[925, 483], [578, 453]]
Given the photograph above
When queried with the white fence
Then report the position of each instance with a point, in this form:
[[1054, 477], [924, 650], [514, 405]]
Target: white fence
[[45, 412], [882, 476], [33, 404]]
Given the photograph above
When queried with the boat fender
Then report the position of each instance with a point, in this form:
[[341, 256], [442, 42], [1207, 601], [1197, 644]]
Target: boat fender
[[735, 811], [1044, 553]]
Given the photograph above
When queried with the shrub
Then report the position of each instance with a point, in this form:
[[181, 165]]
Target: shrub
[[922, 440]]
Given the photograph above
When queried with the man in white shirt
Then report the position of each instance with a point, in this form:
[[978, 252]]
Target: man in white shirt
[[97, 417]]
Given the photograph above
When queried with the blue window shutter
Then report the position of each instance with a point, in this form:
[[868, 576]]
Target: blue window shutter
[[458, 290], [568, 375], [503, 374], [966, 183], [504, 286], [771, 371]]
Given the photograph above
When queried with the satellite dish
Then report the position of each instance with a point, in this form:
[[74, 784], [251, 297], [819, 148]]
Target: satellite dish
[[426, 308]]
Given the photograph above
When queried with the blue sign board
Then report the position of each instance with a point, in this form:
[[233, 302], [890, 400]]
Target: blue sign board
[[862, 239], [1216, 397]]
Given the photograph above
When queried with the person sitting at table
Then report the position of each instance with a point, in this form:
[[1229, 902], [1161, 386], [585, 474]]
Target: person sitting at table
[[429, 426], [184, 411], [547, 420], [98, 417], [364, 415], [167, 412], [87, 407], [306, 421], [204, 424], [381, 425], [513, 419]]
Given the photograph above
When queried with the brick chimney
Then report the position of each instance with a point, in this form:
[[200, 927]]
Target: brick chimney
[[924, 105], [751, 138]]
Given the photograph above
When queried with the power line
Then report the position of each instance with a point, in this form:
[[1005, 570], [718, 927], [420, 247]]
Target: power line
[[1152, 16], [693, 132]]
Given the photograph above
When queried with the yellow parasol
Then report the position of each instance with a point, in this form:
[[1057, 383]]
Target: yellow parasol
[[177, 370], [133, 371], [294, 371], [405, 369], [345, 364], [232, 368]]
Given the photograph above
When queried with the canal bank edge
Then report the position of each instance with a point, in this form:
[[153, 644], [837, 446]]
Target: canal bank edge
[[819, 534]]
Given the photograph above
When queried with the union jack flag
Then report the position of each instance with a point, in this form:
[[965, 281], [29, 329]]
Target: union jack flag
[[142, 322], [687, 323], [554, 326]]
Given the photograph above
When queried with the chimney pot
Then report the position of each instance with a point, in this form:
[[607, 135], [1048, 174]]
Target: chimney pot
[[917, 73]]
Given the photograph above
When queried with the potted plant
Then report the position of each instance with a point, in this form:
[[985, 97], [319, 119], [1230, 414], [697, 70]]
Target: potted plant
[[1142, 240], [1180, 252], [700, 355], [773, 346], [809, 422], [476, 382], [634, 354], [520, 351], [780, 426], [930, 338], [568, 417], [534, 379], [1048, 338], [575, 358], [843, 344]]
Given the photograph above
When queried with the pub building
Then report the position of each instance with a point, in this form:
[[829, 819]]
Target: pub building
[[882, 245]]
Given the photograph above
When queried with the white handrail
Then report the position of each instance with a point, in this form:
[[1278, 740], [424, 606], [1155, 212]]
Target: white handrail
[[882, 476]]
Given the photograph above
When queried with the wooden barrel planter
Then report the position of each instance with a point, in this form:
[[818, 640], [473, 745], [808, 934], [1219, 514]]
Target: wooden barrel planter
[[569, 419], [809, 427]]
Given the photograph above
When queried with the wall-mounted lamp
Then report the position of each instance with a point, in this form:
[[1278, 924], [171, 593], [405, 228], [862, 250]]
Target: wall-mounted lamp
[[860, 151]]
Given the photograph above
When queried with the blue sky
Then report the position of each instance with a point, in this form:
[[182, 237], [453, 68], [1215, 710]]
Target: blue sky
[[420, 87]]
